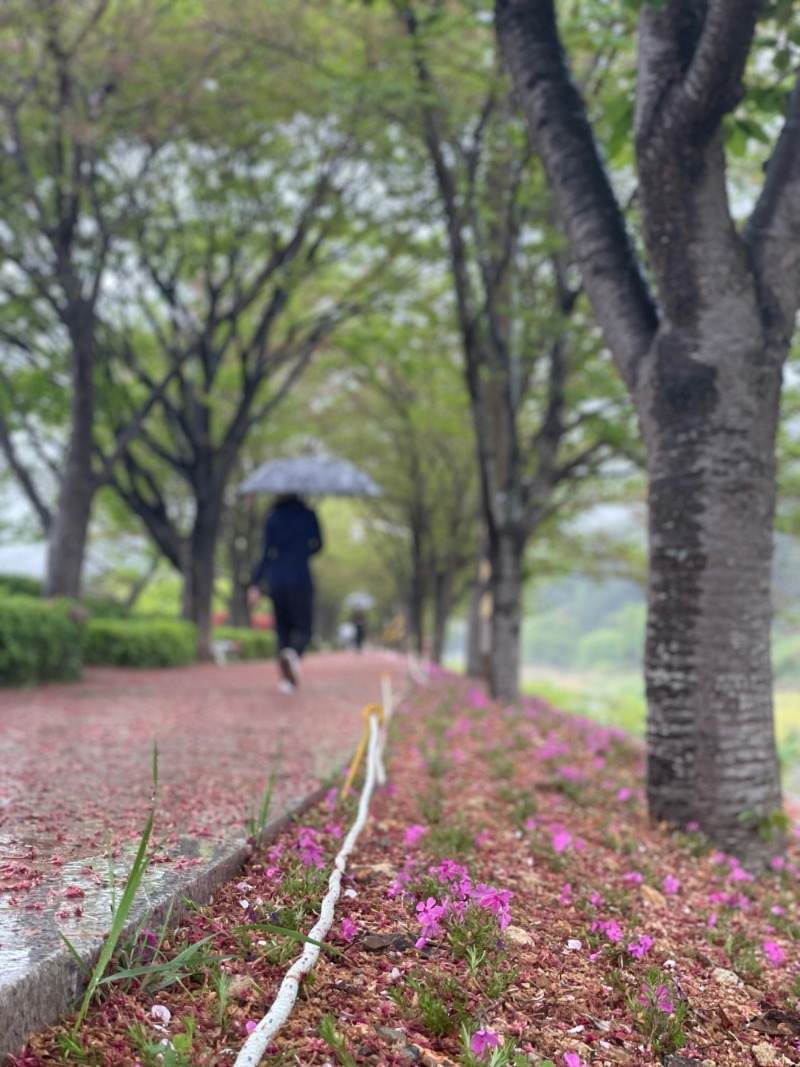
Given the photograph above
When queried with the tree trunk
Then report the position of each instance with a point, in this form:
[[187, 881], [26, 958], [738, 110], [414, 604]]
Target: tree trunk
[[67, 541], [442, 604], [238, 608], [709, 426], [507, 551], [203, 548]]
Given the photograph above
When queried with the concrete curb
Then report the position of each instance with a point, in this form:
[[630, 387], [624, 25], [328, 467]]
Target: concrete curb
[[49, 982]]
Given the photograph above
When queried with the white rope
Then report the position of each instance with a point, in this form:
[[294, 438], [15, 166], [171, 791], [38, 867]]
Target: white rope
[[256, 1044], [418, 670], [388, 711]]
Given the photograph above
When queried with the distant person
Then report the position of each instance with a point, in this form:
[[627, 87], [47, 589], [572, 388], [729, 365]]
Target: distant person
[[291, 536], [359, 621]]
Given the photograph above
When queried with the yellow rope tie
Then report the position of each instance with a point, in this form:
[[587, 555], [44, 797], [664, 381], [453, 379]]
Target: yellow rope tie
[[370, 709]]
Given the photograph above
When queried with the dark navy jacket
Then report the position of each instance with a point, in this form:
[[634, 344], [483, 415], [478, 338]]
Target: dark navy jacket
[[291, 535]]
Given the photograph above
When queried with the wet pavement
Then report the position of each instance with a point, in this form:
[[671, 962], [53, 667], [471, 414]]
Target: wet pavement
[[76, 785]]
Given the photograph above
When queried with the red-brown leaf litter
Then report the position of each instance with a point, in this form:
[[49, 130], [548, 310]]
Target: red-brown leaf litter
[[507, 902]]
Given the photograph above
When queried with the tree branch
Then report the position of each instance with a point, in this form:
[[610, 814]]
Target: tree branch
[[585, 201], [772, 234]]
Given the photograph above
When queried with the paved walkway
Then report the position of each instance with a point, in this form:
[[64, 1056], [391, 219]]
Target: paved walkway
[[75, 787]]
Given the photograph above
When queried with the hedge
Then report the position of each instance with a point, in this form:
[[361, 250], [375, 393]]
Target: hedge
[[40, 640], [19, 585], [248, 644], [139, 642]]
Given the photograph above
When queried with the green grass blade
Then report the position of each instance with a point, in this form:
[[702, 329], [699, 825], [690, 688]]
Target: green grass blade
[[270, 928], [120, 917]]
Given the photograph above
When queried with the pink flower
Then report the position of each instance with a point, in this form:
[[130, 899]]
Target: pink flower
[[249, 1027], [349, 929], [624, 794], [429, 914], [596, 900], [612, 930], [774, 953], [496, 900], [671, 884], [483, 1040], [414, 833], [639, 949], [561, 840], [572, 1059], [565, 894], [634, 877], [658, 998]]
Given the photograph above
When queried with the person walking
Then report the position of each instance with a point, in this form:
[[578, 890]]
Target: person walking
[[292, 535]]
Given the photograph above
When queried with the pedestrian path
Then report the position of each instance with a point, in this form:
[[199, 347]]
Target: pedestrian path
[[76, 780]]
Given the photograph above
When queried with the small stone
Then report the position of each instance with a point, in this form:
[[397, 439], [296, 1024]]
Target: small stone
[[389, 1034], [724, 977], [517, 935], [767, 1056]]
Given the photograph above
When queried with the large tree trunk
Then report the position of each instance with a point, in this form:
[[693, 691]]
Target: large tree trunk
[[507, 549], [709, 420]]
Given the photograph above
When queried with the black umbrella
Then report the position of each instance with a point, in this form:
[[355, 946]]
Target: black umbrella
[[310, 474]]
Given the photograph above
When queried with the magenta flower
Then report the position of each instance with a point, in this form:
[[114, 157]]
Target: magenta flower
[[478, 699], [774, 953], [625, 793], [572, 1059], [671, 884], [349, 929], [659, 998], [561, 840], [249, 1027], [310, 850], [565, 895], [414, 833], [611, 929], [634, 877], [483, 1041], [429, 914], [639, 949], [496, 900]]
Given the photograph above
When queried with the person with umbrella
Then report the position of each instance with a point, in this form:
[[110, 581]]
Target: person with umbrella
[[292, 535]]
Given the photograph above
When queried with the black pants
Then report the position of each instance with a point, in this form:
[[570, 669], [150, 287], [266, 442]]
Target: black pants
[[294, 616]]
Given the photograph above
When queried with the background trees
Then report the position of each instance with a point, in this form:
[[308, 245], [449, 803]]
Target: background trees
[[198, 197], [79, 134], [512, 302]]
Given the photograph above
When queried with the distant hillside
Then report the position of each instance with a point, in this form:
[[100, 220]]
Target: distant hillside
[[584, 623]]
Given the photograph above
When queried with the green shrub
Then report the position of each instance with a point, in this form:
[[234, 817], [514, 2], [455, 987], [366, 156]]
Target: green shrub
[[103, 608], [139, 642], [40, 640], [249, 644], [18, 585]]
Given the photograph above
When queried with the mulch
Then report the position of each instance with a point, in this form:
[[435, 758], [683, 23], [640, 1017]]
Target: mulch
[[529, 825]]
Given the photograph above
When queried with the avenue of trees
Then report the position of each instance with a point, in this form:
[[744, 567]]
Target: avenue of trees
[[496, 257]]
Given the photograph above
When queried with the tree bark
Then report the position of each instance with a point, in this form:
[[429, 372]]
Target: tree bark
[[507, 548], [70, 525]]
